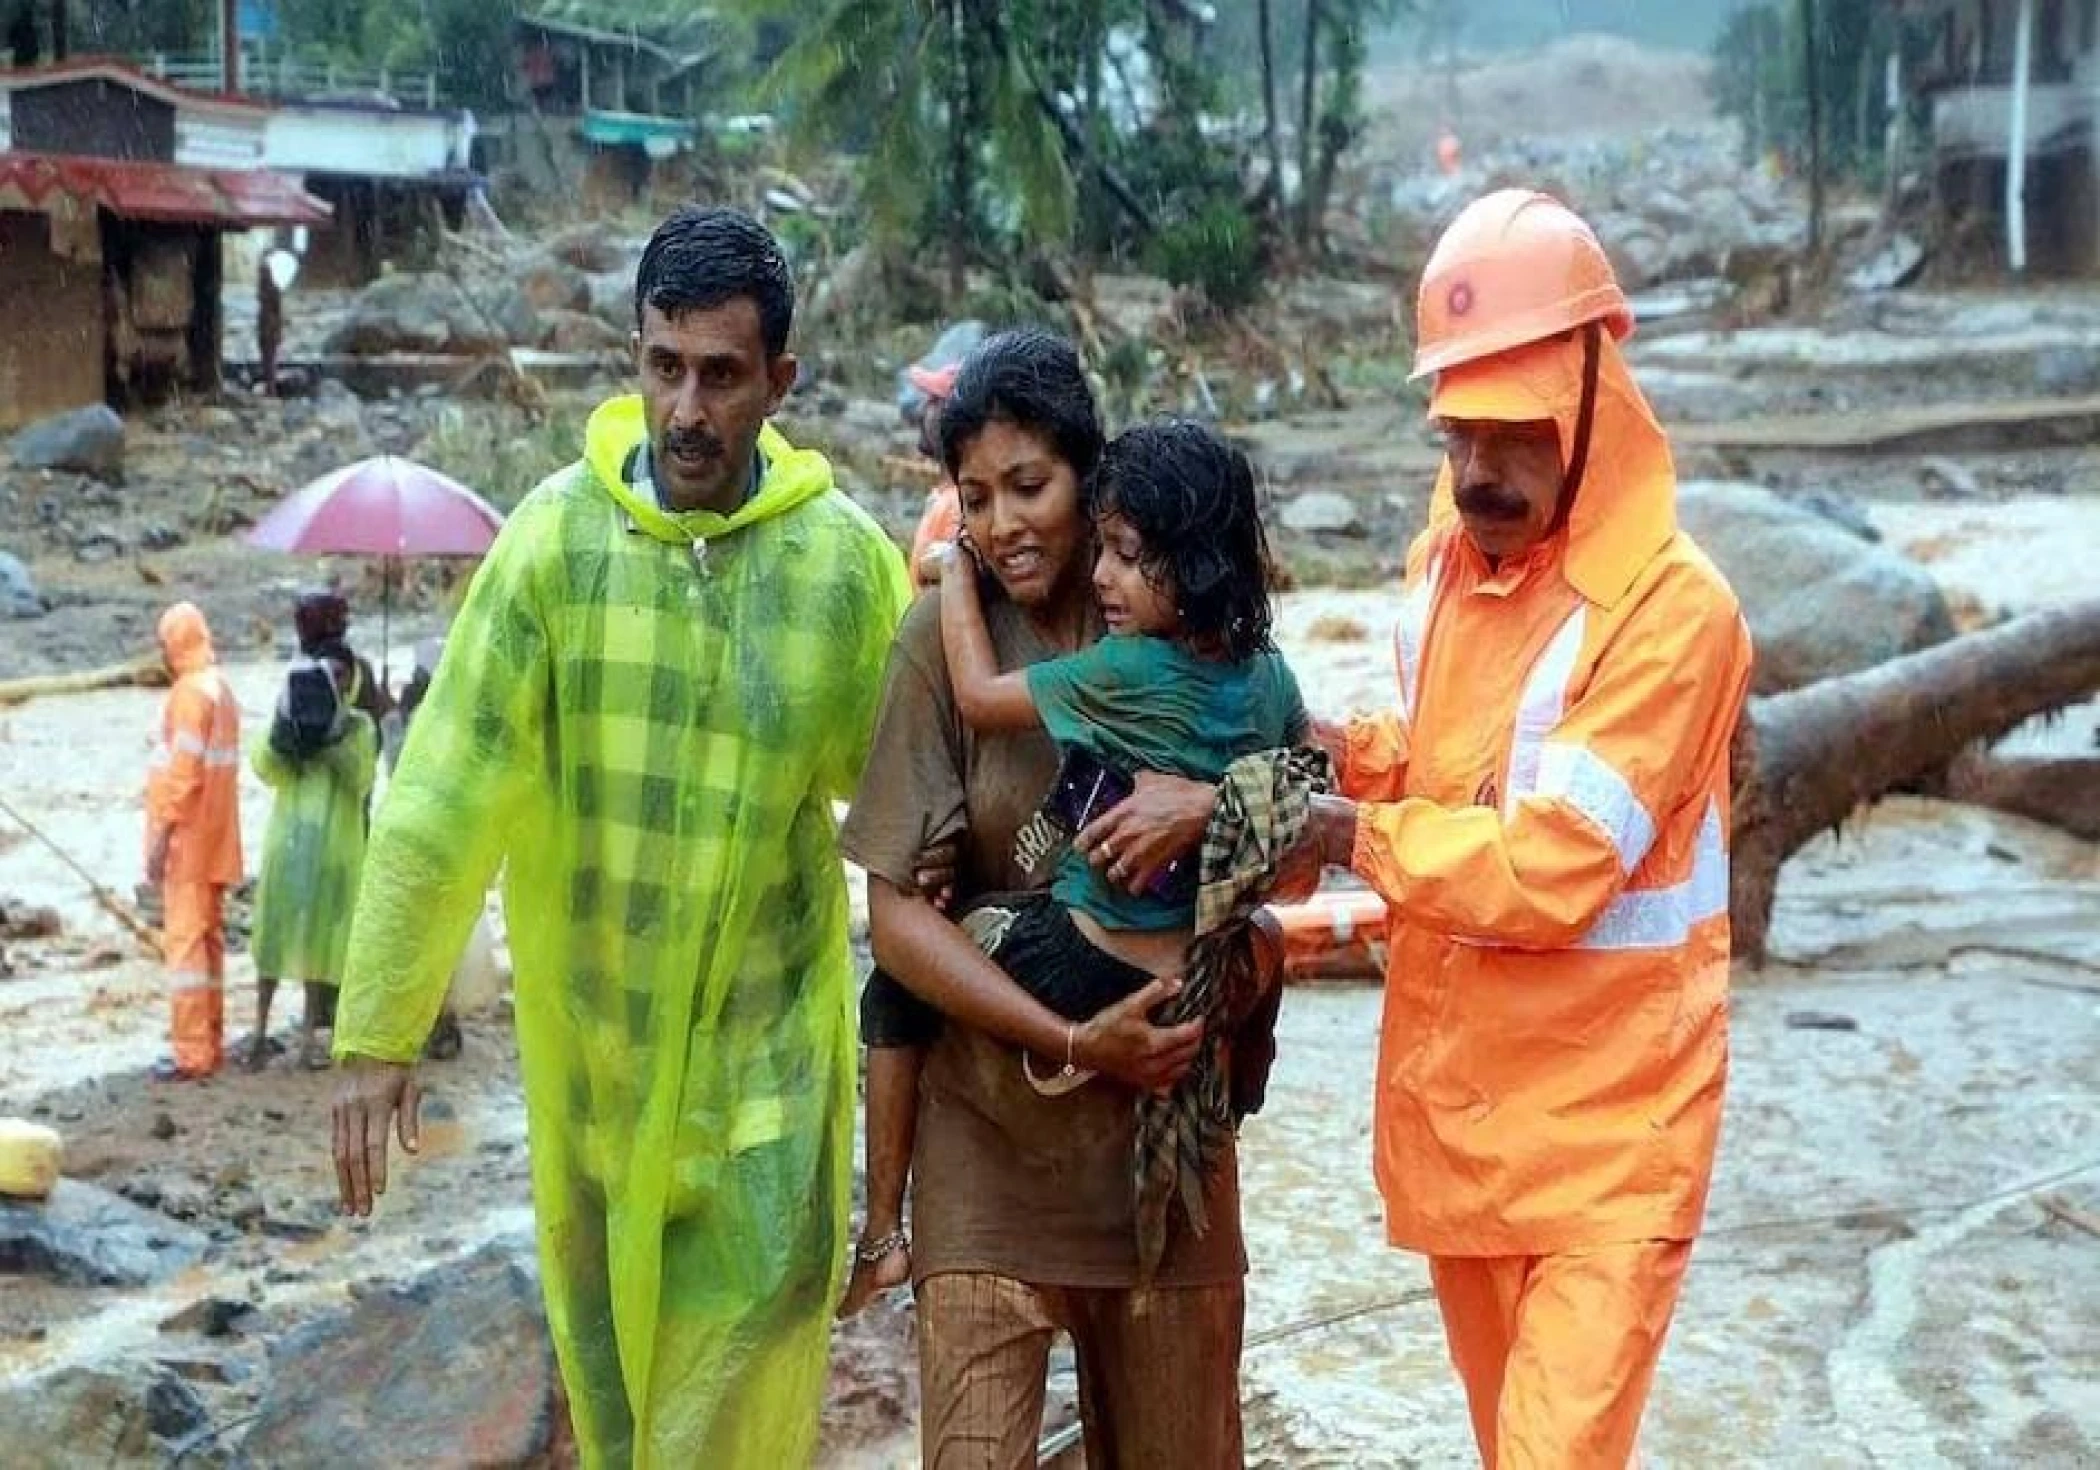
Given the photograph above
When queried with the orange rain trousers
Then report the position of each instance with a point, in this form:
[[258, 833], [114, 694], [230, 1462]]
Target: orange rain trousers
[[193, 804], [193, 948], [1557, 1352]]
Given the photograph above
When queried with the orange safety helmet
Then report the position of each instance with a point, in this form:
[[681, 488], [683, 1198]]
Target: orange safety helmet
[[1514, 267]]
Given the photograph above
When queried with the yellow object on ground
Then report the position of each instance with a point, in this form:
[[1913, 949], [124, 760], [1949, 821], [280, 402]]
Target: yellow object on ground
[[649, 715], [29, 1159]]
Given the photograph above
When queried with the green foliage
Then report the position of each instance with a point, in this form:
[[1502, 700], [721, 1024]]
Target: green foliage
[[1217, 251], [1760, 77], [484, 446], [129, 27]]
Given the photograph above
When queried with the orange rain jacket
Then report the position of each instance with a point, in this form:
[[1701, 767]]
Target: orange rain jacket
[[940, 521], [1546, 815], [193, 783]]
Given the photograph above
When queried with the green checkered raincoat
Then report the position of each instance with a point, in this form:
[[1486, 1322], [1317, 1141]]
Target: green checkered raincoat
[[647, 716]]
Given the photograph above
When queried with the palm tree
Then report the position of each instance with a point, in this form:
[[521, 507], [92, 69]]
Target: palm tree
[[943, 99]]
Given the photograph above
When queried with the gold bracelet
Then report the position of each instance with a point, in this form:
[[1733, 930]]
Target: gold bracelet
[[1071, 1041]]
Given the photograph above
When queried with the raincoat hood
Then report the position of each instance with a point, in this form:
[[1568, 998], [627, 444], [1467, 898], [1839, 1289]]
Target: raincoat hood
[[1625, 507], [185, 639], [618, 427]]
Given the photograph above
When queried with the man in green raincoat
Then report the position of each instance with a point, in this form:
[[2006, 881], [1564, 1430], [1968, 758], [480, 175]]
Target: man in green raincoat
[[664, 673]]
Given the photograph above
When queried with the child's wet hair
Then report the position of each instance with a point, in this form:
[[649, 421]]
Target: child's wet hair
[[1191, 498], [1033, 380]]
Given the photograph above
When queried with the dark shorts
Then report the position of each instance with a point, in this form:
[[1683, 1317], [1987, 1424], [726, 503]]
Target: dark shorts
[[1034, 940]]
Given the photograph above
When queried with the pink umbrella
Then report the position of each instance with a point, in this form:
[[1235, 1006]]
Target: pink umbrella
[[384, 507]]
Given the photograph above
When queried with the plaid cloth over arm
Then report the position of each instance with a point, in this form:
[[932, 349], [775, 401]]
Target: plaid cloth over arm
[[1263, 805]]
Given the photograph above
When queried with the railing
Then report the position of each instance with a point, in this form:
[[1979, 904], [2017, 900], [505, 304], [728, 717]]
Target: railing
[[285, 78]]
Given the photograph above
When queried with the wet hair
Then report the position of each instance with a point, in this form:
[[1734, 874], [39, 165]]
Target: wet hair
[[1031, 379], [701, 258], [320, 614], [1191, 498]]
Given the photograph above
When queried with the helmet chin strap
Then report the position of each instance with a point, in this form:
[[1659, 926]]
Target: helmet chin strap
[[1585, 419]]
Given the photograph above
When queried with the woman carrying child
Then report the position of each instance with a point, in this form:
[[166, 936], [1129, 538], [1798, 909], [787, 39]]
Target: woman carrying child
[[1023, 1208]]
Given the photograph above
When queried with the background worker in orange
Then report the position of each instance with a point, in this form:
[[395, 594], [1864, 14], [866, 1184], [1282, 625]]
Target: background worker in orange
[[193, 838], [1545, 813], [940, 522]]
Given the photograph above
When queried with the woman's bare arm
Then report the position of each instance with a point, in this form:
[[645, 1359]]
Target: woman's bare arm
[[988, 700]]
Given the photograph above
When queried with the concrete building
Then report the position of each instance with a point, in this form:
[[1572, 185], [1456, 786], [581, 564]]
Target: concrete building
[[390, 176], [115, 191], [2014, 93], [603, 114]]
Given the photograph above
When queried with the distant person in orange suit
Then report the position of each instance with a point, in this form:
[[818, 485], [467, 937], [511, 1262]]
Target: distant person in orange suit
[[1545, 812], [1449, 157], [193, 839], [941, 521]]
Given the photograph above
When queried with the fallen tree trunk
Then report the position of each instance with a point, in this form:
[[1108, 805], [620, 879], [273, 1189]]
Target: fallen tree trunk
[[146, 670], [2064, 792], [1807, 759]]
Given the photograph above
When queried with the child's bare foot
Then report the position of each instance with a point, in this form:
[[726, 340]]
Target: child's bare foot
[[879, 1265]]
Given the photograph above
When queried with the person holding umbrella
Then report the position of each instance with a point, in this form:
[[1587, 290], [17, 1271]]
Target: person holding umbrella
[[665, 671], [321, 619]]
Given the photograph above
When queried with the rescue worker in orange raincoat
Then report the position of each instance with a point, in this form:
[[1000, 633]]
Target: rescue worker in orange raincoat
[[1545, 813], [193, 839], [940, 522]]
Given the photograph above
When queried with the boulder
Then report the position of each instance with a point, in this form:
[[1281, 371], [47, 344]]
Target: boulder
[[1821, 601], [1840, 510], [1323, 512], [612, 300], [589, 248], [1893, 262], [87, 440], [455, 1368], [513, 312], [1948, 479], [90, 1418], [555, 285], [576, 331], [85, 1236], [212, 1316], [18, 595], [2067, 369], [428, 313]]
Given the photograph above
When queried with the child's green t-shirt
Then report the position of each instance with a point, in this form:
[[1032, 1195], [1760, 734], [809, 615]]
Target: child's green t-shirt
[[1140, 703]]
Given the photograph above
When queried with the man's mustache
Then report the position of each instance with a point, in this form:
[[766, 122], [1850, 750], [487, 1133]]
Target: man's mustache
[[1491, 502], [692, 444]]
